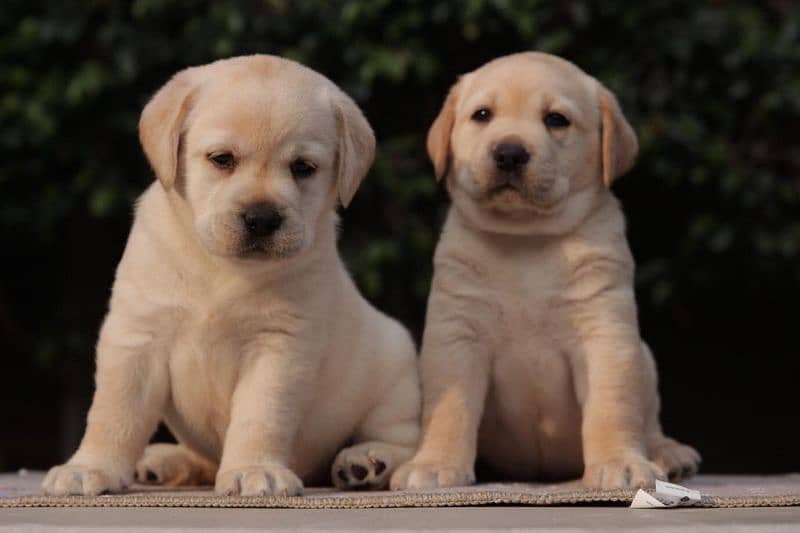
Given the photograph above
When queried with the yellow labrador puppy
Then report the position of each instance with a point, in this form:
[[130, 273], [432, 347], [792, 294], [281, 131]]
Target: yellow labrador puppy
[[531, 356], [232, 317]]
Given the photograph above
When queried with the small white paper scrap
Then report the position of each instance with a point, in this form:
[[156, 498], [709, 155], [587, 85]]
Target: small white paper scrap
[[665, 495]]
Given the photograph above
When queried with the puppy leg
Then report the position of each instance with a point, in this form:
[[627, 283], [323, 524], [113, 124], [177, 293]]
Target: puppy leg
[[386, 439], [272, 390], [679, 461], [173, 465], [131, 392], [614, 405], [455, 376]]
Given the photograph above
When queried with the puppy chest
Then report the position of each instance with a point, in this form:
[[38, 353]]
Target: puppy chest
[[532, 403], [209, 343], [217, 339], [528, 312], [531, 371], [204, 366], [532, 378]]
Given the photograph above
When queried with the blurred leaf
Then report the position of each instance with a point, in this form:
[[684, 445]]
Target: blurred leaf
[[712, 89]]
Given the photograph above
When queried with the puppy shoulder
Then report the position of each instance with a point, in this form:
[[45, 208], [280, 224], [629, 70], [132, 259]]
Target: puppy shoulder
[[148, 210], [145, 271], [605, 226], [459, 251], [152, 203], [403, 348], [599, 245], [363, 326]]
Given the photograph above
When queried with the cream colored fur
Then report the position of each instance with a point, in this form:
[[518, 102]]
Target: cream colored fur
[[261, 356], [531, 356]]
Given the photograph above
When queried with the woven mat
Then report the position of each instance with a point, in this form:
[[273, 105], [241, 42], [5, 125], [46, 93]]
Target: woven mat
[[22, 490]]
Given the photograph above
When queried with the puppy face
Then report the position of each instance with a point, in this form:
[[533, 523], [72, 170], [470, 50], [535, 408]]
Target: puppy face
[[259, 175], [258, 147], [524, 141]]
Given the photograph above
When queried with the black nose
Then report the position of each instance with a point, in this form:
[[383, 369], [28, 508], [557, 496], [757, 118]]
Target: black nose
[[261, 220], [509, 157]]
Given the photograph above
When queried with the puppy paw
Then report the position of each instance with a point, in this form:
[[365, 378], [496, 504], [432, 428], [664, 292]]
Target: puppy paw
[[629, 472], [173, 464], [78, 480], [428, 475], [367, 466], [264, 480], [678, 460]]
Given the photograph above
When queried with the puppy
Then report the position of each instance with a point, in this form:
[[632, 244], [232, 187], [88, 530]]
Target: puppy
[[531, 355], [232, 317]]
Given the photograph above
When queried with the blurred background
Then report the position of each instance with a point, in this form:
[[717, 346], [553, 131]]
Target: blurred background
[[713, 205]]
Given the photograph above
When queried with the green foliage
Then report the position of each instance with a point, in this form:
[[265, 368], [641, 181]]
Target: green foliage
[[712, 89]]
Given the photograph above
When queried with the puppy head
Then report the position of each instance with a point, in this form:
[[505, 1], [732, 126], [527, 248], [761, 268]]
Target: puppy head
[[526, 141], [259, 148]]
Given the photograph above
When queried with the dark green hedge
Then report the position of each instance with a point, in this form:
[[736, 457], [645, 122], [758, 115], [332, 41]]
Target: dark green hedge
[[712, 88]]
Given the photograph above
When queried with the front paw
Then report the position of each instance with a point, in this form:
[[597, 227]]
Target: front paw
[[79, 480], [628, 472], [678, 460], [262, 480], [431, 475]]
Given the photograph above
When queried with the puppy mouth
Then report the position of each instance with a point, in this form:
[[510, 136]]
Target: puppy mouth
[[513, 198], [506, 189], [264, 249], [253, 252], [500, 188]]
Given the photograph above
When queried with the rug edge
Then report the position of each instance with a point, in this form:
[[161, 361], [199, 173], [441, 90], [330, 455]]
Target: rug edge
[[383, 502]]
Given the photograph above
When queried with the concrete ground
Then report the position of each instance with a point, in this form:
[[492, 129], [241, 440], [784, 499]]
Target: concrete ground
[[561, 519]]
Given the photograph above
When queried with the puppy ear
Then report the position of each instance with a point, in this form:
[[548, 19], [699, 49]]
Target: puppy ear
[[439, 134], [356, 147], [619, 143], [161, 122]]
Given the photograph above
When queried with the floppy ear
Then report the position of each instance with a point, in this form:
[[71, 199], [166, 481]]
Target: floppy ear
[[161, 122], [439, 134], [619, 143], [356, 147]]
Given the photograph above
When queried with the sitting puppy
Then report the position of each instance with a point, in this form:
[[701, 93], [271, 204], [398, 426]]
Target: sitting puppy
[[232, 316], [531, 356]]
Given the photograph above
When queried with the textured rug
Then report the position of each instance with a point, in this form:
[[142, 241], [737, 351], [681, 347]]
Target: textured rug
[[22, 490]]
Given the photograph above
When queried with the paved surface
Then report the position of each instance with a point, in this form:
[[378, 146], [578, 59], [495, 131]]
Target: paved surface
[[561, 519]]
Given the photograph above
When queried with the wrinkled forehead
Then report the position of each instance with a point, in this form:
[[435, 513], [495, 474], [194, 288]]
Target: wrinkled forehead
[[520, 83], [264, 111]]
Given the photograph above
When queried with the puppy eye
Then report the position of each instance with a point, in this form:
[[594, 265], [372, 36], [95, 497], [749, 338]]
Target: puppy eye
[[482, 115], [556, 120], [301, 168], [224, 161]]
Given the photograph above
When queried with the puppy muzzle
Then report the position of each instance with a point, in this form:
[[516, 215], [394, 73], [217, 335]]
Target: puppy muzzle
[[510, 157], [261, 220]]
